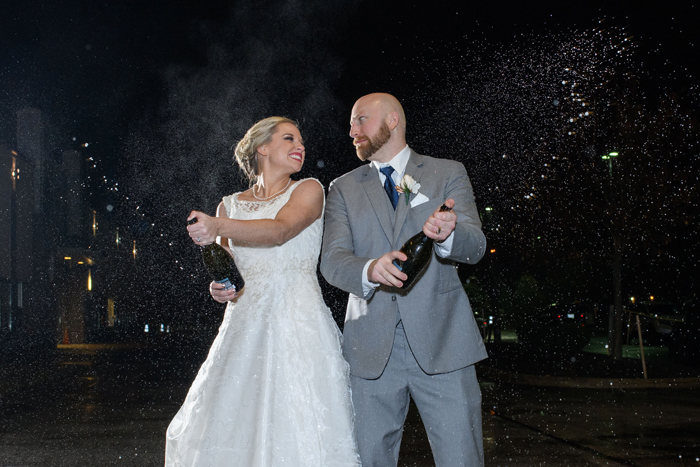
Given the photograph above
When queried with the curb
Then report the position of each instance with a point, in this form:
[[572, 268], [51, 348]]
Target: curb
[[586, 383]]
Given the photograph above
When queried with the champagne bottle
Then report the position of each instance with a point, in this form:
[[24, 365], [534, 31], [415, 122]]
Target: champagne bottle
[[220, 265], [418, 250]]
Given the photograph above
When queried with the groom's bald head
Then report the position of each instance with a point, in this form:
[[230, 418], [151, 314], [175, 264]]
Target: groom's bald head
[[378, 127]]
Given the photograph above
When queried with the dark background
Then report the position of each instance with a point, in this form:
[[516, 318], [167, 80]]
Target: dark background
[[162, 90]]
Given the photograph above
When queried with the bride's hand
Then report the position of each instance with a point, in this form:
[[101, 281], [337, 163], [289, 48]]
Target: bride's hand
[[220, 295], [204, 230]]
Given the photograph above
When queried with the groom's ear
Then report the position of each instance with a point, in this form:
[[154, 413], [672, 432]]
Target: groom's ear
[[392, 120]]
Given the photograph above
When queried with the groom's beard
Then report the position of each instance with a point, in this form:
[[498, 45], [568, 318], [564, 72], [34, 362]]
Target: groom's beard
[[372, 145]]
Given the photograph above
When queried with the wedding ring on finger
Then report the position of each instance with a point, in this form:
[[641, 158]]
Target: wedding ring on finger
[[439, 230], [198, 239]]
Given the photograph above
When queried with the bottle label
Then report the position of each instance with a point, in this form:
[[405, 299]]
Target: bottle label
[[227, 284]]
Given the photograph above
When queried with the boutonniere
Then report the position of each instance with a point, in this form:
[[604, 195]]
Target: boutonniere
[[407, 186]]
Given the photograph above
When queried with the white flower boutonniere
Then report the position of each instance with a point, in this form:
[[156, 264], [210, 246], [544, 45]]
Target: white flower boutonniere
[[407, 186]]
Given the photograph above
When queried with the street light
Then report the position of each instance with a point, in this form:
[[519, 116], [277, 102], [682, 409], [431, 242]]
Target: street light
[[486, 216], [608, 157]]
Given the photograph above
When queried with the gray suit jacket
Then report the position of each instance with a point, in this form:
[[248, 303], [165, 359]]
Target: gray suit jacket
[[361, 225]]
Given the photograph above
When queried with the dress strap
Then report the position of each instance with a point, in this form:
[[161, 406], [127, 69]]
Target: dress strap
[[297, 183], [229, 204], [288, 193]]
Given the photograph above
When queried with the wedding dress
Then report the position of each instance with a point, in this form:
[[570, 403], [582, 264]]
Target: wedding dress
[[274, 389]]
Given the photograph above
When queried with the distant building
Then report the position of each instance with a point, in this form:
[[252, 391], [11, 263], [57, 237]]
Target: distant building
[[21, 296], [63, 279]]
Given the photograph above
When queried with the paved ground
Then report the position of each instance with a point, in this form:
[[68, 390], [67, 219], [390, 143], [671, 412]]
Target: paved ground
[[103, 407]]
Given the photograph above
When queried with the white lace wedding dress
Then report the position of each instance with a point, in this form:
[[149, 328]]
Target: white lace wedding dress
[[274, 390]]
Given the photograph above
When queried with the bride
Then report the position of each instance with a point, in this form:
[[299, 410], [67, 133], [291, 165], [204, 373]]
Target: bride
[[274, 389]]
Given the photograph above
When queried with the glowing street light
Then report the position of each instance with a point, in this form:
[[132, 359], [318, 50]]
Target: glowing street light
[[608, 157]]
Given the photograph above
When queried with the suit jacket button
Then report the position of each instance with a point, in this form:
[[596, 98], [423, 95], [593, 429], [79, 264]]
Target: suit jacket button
[[393, 298]]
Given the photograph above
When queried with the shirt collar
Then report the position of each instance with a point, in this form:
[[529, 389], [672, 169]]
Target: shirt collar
[[398, 162]]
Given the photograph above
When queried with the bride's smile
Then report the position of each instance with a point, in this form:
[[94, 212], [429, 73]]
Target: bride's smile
[[285, 149]]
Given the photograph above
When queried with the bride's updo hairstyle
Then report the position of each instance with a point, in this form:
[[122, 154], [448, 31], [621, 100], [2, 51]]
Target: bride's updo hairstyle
[[246, 153]]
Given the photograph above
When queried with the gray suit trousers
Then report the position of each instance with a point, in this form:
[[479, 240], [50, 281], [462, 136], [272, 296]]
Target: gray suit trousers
[[449, 404]]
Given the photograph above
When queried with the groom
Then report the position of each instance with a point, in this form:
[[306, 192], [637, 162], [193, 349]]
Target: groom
[[420, 343]]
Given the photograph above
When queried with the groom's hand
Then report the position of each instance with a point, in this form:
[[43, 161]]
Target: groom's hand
[[383, 271], [440, 224]]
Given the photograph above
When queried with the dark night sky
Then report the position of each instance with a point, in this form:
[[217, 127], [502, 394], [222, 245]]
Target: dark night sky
[[95, 66]]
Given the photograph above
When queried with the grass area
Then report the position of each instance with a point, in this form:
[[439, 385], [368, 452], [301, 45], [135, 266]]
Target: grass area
[[599, 345]]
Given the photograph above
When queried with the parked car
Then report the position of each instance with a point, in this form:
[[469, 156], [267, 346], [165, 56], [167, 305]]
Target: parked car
[[563, 329]]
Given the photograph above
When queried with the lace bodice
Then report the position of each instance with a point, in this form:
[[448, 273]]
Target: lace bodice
[[258, 261]]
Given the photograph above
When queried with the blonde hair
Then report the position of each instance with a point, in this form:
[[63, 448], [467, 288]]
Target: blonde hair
[[246, 152]]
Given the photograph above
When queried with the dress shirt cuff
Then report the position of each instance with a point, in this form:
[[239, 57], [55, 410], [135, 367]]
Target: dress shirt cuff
[[443, 249], [367, 286]]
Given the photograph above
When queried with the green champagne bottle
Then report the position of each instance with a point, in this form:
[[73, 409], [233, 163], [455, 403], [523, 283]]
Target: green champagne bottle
[[220, 265], [418, 250]]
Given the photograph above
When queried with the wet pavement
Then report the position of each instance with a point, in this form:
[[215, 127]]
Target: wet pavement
[[95, 406]]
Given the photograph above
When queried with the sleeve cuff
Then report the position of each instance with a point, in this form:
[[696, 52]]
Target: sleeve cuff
[[367, 286], [444, 249]]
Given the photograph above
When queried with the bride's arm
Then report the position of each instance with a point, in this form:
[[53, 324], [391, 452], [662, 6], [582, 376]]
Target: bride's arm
[[223, 241], [305, 205]]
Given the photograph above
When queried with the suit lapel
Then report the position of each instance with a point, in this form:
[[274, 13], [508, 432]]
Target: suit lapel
[[379, 200], [414, 168]]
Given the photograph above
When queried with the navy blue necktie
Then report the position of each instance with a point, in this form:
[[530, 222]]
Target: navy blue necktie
[[389, 185]]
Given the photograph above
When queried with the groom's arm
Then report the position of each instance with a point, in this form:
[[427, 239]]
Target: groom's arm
[[339, 264], [468, 241]]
